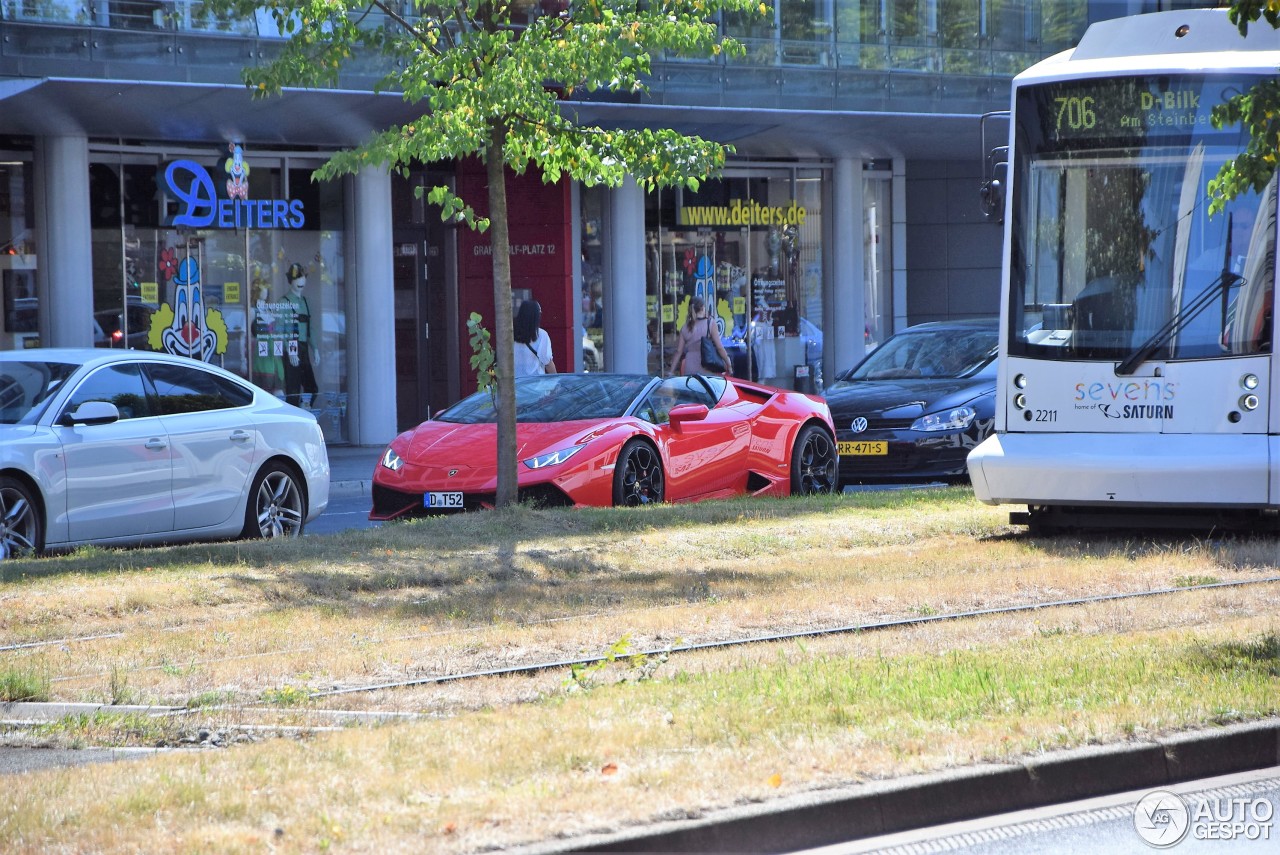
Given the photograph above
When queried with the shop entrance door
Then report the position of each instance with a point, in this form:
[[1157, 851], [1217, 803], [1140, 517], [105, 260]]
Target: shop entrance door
[[426, 310], [412, 330]]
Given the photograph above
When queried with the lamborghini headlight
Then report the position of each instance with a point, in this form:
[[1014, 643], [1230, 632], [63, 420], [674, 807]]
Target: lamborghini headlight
[[958, 418], [391, 460], [553, 457]]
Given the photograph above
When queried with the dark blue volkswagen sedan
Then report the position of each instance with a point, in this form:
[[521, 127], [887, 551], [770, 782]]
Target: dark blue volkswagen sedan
[[913, 409]]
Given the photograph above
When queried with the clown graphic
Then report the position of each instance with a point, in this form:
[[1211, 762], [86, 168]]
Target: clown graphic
[[237, 172], [188, 333]]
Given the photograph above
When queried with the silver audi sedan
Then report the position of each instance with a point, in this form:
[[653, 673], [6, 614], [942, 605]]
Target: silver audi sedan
[[129, 447]]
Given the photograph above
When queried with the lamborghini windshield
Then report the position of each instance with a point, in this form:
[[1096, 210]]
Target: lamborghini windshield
[[556, 398], [1115, 255]]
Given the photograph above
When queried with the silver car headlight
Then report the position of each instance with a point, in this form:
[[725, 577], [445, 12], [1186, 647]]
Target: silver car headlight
[[958, 418], [553, 457], [391, 460]]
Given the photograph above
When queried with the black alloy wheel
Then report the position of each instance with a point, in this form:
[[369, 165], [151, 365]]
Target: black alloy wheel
[[637, 477], [814, 463]]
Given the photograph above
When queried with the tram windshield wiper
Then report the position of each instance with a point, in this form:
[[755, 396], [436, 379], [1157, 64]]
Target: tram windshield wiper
[[1225, 282]]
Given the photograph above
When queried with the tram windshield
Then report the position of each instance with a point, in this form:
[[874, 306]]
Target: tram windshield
[[1115, 255]]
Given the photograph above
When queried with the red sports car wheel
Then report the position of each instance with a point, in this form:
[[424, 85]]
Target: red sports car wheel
[[638, 478], [814, 463]]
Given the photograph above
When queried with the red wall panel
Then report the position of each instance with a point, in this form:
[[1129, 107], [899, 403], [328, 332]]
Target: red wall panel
[[539, 218]]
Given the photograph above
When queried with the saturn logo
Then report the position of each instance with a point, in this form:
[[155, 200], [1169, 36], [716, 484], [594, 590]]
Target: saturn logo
[[859, 425]]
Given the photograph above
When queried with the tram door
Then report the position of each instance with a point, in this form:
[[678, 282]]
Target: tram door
[[425, 304]]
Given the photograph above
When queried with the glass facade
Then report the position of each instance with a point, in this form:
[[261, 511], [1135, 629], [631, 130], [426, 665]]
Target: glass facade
[[955, 36], [756, 241], [591, 286], [259, 290], [18, 301], [969, 37], [765, 274]]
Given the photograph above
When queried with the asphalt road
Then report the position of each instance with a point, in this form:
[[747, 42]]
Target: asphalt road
[[30, 759], [344, 513]]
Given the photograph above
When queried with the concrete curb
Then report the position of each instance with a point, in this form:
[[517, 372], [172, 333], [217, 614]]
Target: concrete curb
[[44, 711], [349, 489], [884, 807]]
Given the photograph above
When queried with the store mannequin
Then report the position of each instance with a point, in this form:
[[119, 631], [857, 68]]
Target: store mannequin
[[299, 375]]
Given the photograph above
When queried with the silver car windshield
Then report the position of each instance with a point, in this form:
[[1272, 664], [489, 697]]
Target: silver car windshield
[[26, 386]]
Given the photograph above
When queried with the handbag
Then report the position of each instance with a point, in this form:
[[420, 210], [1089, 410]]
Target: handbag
[[710, 356]]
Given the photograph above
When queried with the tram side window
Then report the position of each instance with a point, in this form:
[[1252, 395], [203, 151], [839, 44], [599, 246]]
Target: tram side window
[[1250, 316]]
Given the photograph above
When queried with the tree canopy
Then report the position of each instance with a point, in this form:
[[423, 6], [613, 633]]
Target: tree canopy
[[476, 64], [496, 79], [1257, 110]]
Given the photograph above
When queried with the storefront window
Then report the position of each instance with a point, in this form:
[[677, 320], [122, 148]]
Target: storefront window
[[252, 280], [18, 301], [751, 245], [591, 289]]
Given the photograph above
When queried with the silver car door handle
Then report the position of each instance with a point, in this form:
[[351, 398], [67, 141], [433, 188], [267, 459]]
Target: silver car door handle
[[157, 444], [240, 435]]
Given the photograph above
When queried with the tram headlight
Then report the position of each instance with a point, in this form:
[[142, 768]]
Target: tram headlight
[[1020, 380], [1020, 401], [1249, 382], [1249, 402]]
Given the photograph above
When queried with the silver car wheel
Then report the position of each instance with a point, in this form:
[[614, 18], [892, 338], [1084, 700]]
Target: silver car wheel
[[278, 505], [19, 521]]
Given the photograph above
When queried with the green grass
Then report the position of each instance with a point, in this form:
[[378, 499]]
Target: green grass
[[23, 685], [241, 633], [635, 750]]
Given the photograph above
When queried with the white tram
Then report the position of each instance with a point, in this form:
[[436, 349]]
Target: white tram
[[1137, 377]]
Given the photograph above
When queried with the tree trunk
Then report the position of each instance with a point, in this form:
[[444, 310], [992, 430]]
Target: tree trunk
[[503, 333]]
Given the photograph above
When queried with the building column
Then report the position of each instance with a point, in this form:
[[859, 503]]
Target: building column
[[64, 241], [624, 295], [371, 345], [898, 245], [844, 344]]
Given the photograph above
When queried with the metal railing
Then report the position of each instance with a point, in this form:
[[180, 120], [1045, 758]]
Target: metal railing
[[823, 51], [190, 16]]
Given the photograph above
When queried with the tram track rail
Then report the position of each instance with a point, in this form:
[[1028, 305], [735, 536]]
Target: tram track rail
[[260, 720], [798, 635], [597, 659], [75, 639]]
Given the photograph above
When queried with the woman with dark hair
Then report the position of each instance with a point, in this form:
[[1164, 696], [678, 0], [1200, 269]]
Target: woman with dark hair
[[688, 353], [533, 345]]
